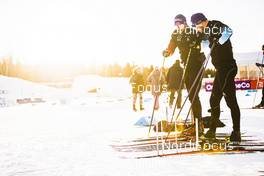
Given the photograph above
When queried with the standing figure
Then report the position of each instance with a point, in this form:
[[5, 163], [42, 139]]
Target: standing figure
[[156, 79], [173, 79], [138, 85]]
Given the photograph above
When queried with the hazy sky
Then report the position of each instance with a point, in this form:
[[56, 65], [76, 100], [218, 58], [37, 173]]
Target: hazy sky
[[107, 31]]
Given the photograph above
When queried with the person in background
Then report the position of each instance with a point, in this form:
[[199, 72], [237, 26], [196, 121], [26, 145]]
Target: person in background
[[261, 104], [173, 79], [156, 79], [138, 83]]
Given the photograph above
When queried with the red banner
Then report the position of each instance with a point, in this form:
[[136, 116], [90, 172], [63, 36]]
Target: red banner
[[240, 85]]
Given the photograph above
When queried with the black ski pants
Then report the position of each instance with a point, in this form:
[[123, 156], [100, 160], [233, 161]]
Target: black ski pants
[[224, 85]]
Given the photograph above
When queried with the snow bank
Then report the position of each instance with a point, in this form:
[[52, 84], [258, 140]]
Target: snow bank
[[113, 87], [12, 89]]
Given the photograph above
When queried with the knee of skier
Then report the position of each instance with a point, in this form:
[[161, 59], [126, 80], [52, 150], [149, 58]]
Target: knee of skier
[[232, 104], [214, 102], [231, 100]]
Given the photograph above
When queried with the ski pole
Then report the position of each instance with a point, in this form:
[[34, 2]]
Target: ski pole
[[181, 83], [192, 101], [198, 87], [156, 98], [193, 85], [184, 102]]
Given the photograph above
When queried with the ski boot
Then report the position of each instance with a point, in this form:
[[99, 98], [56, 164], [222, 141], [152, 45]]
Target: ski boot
[[208, 137], [235, 136], [134, 108], [191, 130], [210, 134], [259, 106], [141, 108]]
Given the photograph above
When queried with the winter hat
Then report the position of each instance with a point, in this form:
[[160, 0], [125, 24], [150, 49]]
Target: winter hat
[[198, 18], [179, 18], [177, 62]]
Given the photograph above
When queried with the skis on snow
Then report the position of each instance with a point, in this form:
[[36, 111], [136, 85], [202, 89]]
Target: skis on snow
[[186, 145]]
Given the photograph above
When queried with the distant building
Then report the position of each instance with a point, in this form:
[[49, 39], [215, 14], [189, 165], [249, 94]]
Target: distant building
[[246, 65]]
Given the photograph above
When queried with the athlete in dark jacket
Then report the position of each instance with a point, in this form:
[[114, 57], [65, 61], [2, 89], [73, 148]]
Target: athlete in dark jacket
[[185, 39], [218, 35], [173, 79]]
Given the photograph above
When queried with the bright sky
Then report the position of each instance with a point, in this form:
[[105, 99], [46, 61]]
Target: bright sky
[[108, 31]]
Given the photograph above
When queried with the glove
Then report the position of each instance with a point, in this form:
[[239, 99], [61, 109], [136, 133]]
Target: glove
[[215, 41], [165, 53], [259, 65]]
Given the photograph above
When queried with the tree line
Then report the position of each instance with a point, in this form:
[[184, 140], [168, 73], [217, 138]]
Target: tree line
[[43, 73]]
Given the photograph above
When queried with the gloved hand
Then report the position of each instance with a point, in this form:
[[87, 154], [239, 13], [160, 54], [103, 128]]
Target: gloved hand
[[215, 41], [165, 53], [259, 65]]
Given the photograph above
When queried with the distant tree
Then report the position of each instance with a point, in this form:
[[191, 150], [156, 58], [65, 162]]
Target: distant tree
[[103, 70], [110, 72], [127, 70], [151, 68], [1, 65], [117, 70], [4, 68]]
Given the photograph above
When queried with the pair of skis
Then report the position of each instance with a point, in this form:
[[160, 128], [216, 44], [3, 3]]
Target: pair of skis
[[210, 152], [144, 148]]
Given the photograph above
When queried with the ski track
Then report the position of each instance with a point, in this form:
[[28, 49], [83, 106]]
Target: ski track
[[75, 140]]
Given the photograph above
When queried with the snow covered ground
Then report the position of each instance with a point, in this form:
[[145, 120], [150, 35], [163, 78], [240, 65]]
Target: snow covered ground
[[74, 138]]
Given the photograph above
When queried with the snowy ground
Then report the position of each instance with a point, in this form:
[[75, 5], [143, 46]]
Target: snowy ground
[[75, 138]]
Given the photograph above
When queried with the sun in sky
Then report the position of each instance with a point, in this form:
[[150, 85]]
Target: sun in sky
[[117, 31]]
